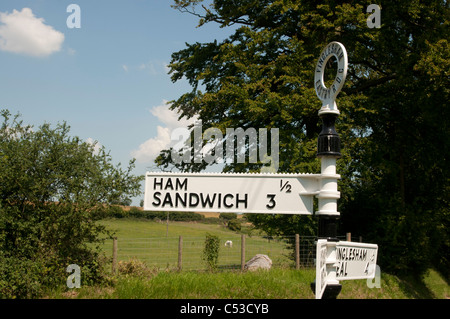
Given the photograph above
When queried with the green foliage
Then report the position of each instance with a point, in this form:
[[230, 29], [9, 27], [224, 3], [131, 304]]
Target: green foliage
[[395, 182], [117, 212], [173, 216], [20, 278], [53, 190], [228, 216], [211, 251], [234, 224]]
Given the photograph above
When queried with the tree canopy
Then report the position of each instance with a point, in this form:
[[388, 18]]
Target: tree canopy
[[395, 186]]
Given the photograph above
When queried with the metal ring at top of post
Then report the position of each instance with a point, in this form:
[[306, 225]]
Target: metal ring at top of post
[[328, 95]]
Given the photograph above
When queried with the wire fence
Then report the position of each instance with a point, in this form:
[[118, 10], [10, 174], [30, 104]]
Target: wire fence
[[186, 252]]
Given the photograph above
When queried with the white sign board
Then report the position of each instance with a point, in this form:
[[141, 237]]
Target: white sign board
[[232, 192], [355, 260], [321, 267], [343, 260]]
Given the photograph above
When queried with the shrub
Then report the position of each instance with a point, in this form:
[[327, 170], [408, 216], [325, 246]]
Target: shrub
[[20, 278], [136, 212], [117, 212], [53, 190], [211, 251], [234, 225], [228, 216]]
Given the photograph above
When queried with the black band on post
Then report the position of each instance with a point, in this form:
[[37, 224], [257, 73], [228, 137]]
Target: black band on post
[[329, 143]]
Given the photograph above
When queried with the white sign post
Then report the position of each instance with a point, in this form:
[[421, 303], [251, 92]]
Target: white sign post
[[335, 260], [235, 192]]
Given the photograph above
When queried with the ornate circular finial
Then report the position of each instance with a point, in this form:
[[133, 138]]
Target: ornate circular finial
[[328, 95]]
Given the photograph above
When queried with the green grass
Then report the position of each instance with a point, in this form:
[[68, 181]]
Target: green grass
[[280, 284], [272, 284]]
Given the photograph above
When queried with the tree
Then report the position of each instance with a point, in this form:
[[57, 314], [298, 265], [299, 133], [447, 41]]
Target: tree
[[394, 186], [53, 188]]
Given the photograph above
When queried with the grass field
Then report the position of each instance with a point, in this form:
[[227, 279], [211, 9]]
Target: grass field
[[145, 281], [156, 245]]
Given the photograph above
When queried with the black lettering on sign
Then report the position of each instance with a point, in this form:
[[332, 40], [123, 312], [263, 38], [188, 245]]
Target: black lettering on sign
[[167, 200], [160, 184], [193, 200], [219, 201], [272, 201], [225, 200], [241, 201], [181, 185], [207, 200], [157, 199], [179, 199], [341, 269], [169, 184], [350, 253], [157, 183], [191, 197]]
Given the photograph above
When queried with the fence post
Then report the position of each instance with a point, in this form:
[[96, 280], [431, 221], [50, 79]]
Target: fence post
[[297, 251], [349, 236], [180, 253], [242, 252], [114, 256]]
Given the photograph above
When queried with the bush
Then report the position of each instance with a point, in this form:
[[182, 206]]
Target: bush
[[228, 216], [234, 225], [20, 278], [173, 216], [117, 212], [53, 190], [211, 251], [136, 212]]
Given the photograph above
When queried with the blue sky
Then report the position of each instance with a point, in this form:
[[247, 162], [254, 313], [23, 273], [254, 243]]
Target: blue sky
[[107, 79]]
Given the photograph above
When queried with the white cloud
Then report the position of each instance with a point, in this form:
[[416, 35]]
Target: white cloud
[[153, 67], [166, 67], [151, 148], [22, 32], [97, 146], [149, 67], [169, 117]]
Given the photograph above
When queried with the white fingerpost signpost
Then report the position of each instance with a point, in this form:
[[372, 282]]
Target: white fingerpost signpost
[[233, 192], [335, 260], [282, 193]]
